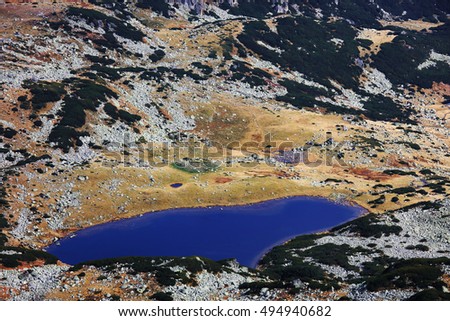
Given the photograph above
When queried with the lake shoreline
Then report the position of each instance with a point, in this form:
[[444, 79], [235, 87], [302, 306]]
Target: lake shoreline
[[67, 233], [326, 214]]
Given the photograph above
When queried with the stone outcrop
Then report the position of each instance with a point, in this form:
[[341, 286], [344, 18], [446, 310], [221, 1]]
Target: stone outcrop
[[279, 6], [42, 2], [199, 6]]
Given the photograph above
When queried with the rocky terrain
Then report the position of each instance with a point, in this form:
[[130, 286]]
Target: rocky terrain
[[397, 256], [105, 104]]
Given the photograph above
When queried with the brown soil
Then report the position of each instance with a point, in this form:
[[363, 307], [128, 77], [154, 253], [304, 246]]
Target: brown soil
[[223, 180], [369, 174]]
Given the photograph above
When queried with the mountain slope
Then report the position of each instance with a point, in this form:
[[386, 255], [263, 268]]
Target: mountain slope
[[105, 105]]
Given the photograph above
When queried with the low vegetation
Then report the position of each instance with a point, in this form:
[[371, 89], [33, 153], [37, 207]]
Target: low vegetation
[[420, 273], [161, 267], [44, 92], [86, 96], [11, 257], [368, 226]]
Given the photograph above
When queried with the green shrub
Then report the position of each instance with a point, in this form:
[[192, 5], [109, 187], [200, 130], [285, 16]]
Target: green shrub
[[115, 297], [430, 295], [398, 172], [162, 296], [382, 186], [109, 23], [419, 247], [24, 255], [7, 132], [66, 137], [106, 72], [3, 221], [166, 277], [368, 226], [123, 115], [378, 201], [412, 145], [158, 6], [86, 95], [254, 288], [426, 171], [100, 60], [299, 271], [369, 142], [408, 273], [44, 92], [379, 107], [157, 55], [377, 265], [3, 239], [403, 190], [207, 70], [332, 254], [400, 58]]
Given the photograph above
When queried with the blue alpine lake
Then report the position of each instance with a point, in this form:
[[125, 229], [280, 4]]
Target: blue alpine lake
[[242, 232]]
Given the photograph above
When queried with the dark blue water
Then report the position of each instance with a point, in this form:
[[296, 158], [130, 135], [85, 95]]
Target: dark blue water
[[241, 232], [176, 185]]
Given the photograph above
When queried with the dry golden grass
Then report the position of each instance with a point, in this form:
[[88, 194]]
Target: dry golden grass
[[416, 25], [378, 37]]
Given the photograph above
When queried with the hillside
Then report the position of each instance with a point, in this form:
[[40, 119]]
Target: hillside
[[105, 104]]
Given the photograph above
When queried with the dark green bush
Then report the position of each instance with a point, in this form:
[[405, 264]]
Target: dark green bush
[[86, 95], [379, 107], [109, 23], [162, 296], [123, 115], [158, 6], [398, 172], [157, 55], [430, 295], [426, 171], [66, 137], [204, 68], [377, 265], [400, 58], [408, 273], [403, 190], [24, 255], [332, 254], [254, 288], [419, 247], [44, 92], [106, 72], [100, 60], [3, 221], [368, 226], [378, 201], [3, 239], [301, 271], [115, 297], [7, 132]]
